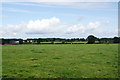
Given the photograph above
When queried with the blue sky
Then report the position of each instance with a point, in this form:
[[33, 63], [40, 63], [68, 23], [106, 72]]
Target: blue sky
[[58, 19]]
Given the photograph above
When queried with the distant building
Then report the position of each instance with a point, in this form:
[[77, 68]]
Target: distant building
[[14, 42]]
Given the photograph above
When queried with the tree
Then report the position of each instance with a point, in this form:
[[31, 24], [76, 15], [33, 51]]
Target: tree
[[91, 39], [52, 40], [39, 40], [63, 41], [20, 41], [82, 39], [116, 40], [2, 41]]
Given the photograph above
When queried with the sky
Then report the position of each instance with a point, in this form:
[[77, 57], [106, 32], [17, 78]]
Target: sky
[[58, 19]]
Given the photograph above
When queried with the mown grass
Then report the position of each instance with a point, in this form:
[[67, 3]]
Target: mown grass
[[60, 61]]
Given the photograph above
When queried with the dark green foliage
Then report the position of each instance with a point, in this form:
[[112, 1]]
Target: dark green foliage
[[20, 41], [116, 40], [56, 58], [91, 39], [63, 42]]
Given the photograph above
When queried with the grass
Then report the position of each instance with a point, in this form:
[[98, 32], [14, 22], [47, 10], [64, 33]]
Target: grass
[[60, 61]]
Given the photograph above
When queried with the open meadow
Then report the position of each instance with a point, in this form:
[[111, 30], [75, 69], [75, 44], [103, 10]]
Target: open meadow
[[60, 61]]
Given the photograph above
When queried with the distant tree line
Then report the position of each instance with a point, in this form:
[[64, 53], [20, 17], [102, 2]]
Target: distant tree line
[[91, 39]]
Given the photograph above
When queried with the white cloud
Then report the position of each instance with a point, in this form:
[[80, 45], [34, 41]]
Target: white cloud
[[106, 33], [68, 4], [76, 28], [44, 26], [93, 25], [12, 30], [82, 29], [82, 4], [54, 27]]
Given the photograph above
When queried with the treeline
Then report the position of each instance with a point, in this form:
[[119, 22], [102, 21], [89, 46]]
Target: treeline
[[89, 40]]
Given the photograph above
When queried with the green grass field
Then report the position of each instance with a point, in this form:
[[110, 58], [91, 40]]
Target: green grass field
[[60, 61]]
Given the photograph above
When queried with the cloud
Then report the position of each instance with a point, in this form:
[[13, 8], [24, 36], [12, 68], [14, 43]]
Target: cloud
[[44, 26], [12, 30], [59, 0], [79, 28], [75, 29], [85, 5], [107, 33], [15, 28], [54, 27], [15, 10], [81, 18], [3, 16], [93, 25]]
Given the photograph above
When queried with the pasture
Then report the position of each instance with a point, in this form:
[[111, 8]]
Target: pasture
[[60, 61]]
